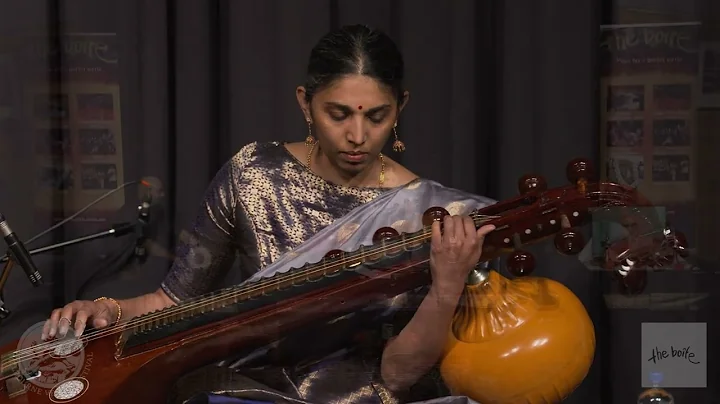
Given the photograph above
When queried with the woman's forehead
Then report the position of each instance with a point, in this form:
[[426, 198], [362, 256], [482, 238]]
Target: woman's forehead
[[356, 91]]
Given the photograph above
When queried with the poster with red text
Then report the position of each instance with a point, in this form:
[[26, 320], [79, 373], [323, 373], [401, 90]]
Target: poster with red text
[[76, 124], [649, 81]]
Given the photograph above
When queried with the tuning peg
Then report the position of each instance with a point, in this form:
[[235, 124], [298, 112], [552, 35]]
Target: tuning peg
[[386, 236], [568, 241], [678, 241], [528, 183], [520, 262], [631, 281], [579, 172], [434, 214]]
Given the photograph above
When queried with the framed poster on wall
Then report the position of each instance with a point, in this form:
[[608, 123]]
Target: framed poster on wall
[[76, 127], [648, 112]]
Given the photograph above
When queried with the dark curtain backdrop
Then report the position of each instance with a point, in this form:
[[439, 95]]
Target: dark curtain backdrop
[[498, 90]]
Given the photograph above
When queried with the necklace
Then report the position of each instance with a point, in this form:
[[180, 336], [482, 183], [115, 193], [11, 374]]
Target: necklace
[[381, 180]]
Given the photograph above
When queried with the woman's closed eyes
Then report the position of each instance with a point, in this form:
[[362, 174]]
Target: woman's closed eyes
[[375, 115]]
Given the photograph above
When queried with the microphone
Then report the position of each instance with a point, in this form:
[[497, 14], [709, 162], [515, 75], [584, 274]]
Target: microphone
[[143, 220], [20, 253]]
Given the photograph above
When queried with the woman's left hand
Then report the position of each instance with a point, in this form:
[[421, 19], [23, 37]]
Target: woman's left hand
[[456, 250]]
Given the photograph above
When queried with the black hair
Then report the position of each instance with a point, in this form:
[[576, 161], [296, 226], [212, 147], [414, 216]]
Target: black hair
[[355, 49]]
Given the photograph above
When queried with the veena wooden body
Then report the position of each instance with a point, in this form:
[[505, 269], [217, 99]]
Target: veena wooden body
[[526, 340]]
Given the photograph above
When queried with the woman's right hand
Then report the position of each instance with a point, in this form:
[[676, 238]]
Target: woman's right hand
[[455, 250], [76, 315]]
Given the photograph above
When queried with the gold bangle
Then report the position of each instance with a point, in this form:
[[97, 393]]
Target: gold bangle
[[116, 304]]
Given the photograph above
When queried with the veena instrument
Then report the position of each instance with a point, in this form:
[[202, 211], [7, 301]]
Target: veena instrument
[[521, 340]]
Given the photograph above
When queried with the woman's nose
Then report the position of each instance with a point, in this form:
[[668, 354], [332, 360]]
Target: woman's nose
[[356, 133]]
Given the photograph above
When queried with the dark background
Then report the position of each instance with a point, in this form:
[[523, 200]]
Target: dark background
[[498, 89]]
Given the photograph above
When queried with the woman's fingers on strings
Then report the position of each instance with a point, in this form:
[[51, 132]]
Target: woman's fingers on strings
[[484, 231], [51, 325], [469, 228], [81, 319], [459, 227], [435, 236], [100, 318], [74, 316], [99, 322], [69, 316], [448, 230], [481, 233], [46, 329], [65, 321]]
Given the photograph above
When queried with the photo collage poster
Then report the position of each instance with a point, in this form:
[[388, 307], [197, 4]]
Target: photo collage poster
[[77, 129], [648, 117]]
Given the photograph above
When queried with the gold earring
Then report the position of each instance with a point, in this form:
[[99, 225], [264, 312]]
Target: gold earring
[[398, 146], [309, 140]]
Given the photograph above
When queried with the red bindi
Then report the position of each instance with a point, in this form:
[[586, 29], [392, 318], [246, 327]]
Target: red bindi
[[359, 106]]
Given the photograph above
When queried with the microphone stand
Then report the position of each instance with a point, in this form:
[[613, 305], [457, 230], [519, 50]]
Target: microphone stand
[[116, 231]]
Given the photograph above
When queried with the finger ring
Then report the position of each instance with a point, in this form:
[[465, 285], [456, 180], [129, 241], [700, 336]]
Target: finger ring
[[66, 319]]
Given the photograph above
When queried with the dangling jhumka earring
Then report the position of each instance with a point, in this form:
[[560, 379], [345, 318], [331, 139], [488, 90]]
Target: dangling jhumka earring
[[309, 140], [398, 146]]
